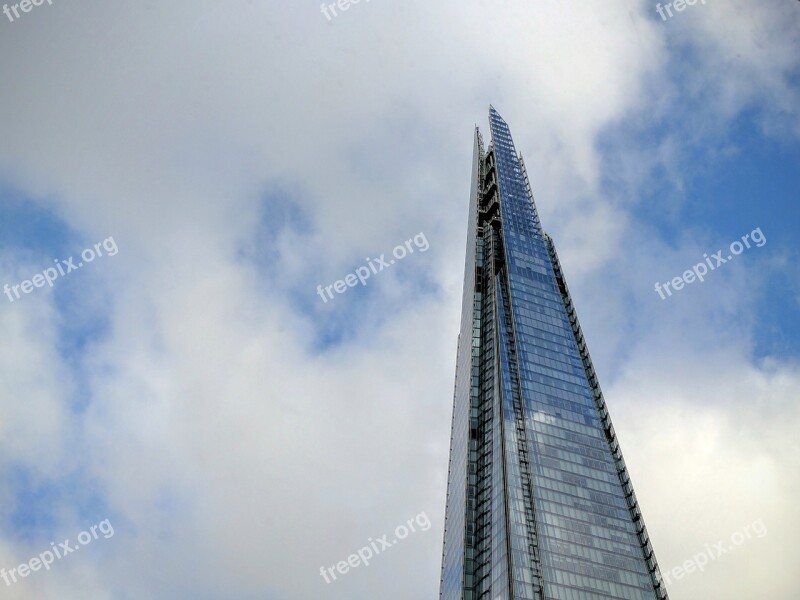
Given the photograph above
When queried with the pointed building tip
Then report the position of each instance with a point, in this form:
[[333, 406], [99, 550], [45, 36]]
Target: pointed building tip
[[493, 114]]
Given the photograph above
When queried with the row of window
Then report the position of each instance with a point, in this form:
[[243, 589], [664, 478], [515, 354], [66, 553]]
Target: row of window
[[587, 482], [550, 534], [590, 592]]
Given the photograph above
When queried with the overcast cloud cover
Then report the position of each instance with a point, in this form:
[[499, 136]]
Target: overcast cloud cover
[[238, 432]]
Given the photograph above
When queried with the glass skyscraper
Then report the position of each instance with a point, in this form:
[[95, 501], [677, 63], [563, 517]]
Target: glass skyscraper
[[539, 502]]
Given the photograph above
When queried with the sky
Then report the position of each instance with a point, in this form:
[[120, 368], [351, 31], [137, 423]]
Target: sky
[[210, 165]]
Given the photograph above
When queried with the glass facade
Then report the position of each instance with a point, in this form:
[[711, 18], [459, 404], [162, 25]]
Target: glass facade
[[539, 502]]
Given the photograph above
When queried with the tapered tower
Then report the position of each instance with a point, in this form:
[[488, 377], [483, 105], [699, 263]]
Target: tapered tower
[[539, 502]]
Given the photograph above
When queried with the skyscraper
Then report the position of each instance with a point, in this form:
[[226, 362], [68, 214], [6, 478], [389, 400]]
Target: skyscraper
[[539, 502]]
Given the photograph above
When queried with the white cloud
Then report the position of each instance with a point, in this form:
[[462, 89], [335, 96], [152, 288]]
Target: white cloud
[[233, 452]]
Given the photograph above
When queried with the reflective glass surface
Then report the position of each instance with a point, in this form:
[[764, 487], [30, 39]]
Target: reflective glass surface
[[539, 505]]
